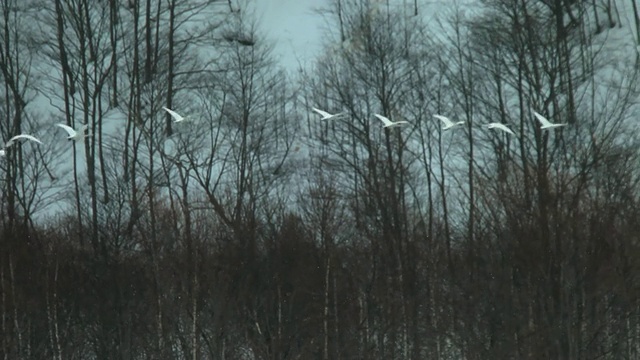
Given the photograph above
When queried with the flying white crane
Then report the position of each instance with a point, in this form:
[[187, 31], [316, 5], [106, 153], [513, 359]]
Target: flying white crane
[[75, 135], [326, 115], [446, 123], [546, 124], [3, 151], [389, 123], [500, 126], [176, 117]]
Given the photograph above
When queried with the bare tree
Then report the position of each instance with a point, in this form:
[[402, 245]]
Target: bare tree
[[246, 143], [374, 75], [517, 55]]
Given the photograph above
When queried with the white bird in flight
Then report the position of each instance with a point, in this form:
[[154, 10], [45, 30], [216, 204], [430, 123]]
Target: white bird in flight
[[3, 151], [446, 123], [326, 115], [546, 124], [389, 123], [176, 117], [75, 135], [500, 126]]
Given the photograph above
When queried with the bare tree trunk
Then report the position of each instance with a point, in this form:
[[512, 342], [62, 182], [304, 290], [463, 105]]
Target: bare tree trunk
[[336, 318], [277, 347], [445, 207], [363, 319], [16, 320], [114, 20], [192, 253], [615, 7], [68, 82], [636, 18], [325, 317], [343, 37], [612, 22], [155, 251], [148, 48], [5, 315], [89, 143], [171, 59], [12, 100], [156, 54], [52, 314], [595, 16], [194, 301]]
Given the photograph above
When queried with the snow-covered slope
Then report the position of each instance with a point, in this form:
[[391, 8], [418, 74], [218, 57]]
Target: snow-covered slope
[[299, 30]]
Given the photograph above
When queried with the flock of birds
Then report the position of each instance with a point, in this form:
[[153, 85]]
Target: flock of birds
[[79, 134], [446, 122], [73, 134]]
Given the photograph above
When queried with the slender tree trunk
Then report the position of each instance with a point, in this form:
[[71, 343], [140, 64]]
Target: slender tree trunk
[[113, 37], [325, 317], [445, 207], [156, 48], [5, 314], [192, 253], [149, 48], [151, 194], [636, 18], [51, 300], [343, 36], [336, 319], [615, 7], [194, 301], [14, 105], [612, 22], [155, 251], [276, 348], [68, 88], [364, 320], [470, 172], [170, 75], [16, 320], [89, 146], [595, 16]]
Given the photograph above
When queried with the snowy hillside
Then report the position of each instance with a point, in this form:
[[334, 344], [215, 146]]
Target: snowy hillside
[[250, 227], [301, 32]]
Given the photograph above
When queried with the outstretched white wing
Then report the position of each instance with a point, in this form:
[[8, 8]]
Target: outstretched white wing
[[173, 114], [503, 128], [323, 113], [68, 129], [445, 120], [508, 130], [385, 120], [542, 119], [22, 136]]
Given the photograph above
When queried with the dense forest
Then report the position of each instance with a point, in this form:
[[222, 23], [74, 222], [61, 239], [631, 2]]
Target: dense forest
[[256, 230]]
